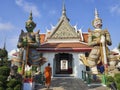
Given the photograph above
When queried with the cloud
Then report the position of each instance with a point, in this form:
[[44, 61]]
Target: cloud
[[27, 7], [6, 26], [115, 9]]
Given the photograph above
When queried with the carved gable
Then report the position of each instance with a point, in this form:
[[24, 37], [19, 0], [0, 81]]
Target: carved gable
[[64, 30]]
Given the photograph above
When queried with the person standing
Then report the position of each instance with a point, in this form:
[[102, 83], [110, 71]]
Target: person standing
[[47, 74]]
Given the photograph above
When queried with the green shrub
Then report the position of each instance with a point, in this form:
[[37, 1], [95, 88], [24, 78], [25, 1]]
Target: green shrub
[[4, 70], [1, 88], [3, 78], [1, 83], [17, 87], [118, 86], [117, 80], [12, 83], [4, 73], [109, 80], [117, 75], [9, 88]]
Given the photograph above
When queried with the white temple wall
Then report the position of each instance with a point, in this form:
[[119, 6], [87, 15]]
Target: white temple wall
[[77, 64], [49, 57]]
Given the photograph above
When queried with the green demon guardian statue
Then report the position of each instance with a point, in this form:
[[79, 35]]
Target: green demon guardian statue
[[28, 42]]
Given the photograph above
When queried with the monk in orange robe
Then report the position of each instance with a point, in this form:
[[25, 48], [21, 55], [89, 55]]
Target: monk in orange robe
[[48, 73]]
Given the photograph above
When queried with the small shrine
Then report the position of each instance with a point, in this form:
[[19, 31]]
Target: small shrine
[[62, 45]]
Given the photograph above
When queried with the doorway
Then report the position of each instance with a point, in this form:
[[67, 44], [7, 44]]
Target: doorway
[[63, 63]]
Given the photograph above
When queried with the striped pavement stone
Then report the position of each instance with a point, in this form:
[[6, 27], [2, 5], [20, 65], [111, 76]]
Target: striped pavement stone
[[69, 84]]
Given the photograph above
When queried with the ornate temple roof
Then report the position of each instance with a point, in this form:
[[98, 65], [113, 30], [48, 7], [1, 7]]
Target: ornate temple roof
[[44, 40], [63, 29], [64, 47], [64, 37]]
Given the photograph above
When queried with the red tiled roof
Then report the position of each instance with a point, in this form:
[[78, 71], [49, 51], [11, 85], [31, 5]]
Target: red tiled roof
[[85, 36], [42, 38], [77, 46], [71, 46]]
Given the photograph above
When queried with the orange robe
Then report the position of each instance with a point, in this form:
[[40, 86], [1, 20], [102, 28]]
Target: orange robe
[[47, 73]]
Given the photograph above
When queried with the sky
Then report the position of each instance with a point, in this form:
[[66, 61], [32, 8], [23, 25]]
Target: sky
[[46, 13]]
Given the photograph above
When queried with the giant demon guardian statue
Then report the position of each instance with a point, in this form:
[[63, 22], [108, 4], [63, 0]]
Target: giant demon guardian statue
[[99, 39]]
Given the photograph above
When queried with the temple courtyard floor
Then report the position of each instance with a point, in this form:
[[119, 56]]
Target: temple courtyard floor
[[69, 84]]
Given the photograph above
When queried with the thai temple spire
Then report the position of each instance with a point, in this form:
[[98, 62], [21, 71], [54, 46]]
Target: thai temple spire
[[64, 9], [97, 22], [4, 47], [5, 52]]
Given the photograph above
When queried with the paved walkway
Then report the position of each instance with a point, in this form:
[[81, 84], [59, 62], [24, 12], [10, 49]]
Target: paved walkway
[[69, 84]]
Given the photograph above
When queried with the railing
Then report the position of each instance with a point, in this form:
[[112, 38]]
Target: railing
[[90, 78], [86, 76]]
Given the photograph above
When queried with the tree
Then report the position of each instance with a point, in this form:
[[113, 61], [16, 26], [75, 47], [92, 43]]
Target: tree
[[3, 55]]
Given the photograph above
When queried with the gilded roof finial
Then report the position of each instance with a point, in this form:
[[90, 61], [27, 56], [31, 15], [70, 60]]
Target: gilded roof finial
[[64, 12], [64, 9]]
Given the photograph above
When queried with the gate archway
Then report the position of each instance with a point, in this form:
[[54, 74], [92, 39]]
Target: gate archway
[[63, 63]]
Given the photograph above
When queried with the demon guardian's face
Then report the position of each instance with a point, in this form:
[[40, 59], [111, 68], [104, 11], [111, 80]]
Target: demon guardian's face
[[97, 23]]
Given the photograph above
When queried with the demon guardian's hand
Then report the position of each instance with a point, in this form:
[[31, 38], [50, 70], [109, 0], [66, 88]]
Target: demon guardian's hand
[[102, 39]]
